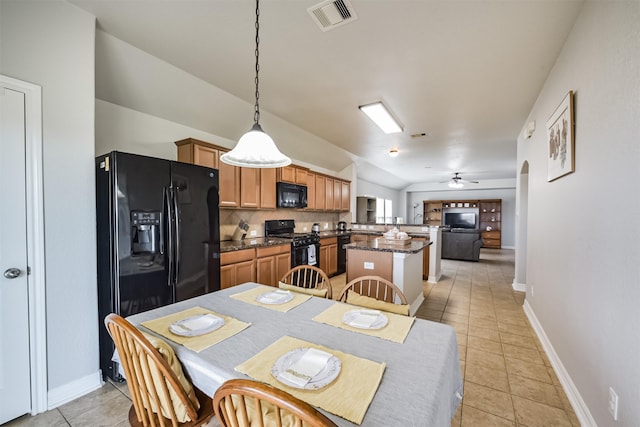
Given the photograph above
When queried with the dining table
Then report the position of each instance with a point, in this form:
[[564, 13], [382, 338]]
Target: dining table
[[420, 383]]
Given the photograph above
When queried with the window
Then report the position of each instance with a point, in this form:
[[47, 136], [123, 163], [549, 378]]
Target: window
[[383, 211]]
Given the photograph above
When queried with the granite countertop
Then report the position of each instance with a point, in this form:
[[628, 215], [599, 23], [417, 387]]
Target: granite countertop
[[256, 242], [379, 233], [378, 245]]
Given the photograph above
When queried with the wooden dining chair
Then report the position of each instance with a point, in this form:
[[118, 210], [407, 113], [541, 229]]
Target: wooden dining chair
[[376, 288], [244, 403], [308, 277], [155, 382]]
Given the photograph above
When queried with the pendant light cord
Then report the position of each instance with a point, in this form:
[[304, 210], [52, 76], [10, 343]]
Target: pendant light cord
[[256, 114]]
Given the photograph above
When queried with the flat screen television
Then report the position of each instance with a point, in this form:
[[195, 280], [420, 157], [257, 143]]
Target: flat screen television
[[460, 220]]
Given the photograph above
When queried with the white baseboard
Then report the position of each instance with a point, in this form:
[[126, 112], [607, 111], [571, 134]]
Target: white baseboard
[[73, 390], [578, 404], [522, 287], [435, 277], [416, 304]]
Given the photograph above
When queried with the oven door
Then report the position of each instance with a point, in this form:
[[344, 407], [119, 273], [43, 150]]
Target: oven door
[[305, 255]]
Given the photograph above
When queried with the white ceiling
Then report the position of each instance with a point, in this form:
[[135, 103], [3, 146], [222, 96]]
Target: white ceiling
[[465, 72]]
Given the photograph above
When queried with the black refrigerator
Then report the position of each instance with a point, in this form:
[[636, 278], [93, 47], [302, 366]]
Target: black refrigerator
[[158, 237]]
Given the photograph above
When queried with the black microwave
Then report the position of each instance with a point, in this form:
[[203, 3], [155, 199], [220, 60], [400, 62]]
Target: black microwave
[[291, 195]]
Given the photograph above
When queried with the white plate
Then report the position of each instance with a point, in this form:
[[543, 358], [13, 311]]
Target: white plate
[[361, 318], [322, 379], [275, 297], [196, 325]]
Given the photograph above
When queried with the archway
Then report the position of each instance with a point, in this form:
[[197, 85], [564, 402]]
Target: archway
[[522, 209]]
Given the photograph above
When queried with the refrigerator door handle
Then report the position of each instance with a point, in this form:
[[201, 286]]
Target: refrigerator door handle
[[167, 199], [176, 213]]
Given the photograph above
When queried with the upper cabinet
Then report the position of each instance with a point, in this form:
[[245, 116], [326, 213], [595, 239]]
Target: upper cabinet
[[251, 188], [246, 188], [292, 174]]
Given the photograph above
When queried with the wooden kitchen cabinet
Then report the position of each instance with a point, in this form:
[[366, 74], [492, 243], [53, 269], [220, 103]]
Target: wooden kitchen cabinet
[[237, 267], [320, 192], [292, 174], [337, 195], [329, 255], [198, 152], [272, 262], [229, 184], [268, 188], [425, 258], [246, 188], [311, 191], [328, 194], [345, 196], [249, 188]]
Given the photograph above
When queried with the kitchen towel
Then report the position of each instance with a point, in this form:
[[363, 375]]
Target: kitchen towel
[[311, 255]]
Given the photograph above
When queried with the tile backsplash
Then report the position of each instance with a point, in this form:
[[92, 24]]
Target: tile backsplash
[[229, 219]]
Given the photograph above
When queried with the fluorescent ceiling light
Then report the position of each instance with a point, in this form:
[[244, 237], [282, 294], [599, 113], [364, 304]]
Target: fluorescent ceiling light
[[382, 117]]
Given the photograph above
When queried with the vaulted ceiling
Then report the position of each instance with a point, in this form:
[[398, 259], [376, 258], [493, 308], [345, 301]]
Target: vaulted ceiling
[[463, 73]]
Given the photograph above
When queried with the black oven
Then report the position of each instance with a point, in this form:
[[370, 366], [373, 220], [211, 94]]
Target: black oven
[[305, 247], [305, 253]]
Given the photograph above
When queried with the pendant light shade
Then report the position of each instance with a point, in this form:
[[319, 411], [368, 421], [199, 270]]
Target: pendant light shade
[[256, 149]]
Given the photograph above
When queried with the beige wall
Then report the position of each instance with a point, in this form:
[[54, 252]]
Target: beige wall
[[51, 44], [583, 251]]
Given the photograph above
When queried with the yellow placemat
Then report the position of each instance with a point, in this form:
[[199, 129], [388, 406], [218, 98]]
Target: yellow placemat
[[395, 330], [251, 295], [348, 396], [161, 326]]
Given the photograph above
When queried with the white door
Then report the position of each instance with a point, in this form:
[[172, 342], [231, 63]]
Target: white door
[[15, 381]]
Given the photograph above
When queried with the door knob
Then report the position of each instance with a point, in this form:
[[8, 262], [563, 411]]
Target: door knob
[[12, 273]]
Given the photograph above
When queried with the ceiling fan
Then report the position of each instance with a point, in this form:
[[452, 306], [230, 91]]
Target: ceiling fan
[[457, 182]]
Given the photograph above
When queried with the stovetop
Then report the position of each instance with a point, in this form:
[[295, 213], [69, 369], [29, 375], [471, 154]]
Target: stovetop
[[298, 239], [285, 228]]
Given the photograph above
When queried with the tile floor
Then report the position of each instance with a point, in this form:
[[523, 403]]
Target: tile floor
[[508, 380]]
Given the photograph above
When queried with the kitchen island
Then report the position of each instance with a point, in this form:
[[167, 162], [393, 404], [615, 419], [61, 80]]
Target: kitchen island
[[401, 264]]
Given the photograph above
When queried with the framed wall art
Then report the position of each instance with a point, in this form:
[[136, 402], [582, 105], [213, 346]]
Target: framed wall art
[[560, 140]]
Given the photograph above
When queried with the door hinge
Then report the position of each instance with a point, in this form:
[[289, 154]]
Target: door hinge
[[28, 271]]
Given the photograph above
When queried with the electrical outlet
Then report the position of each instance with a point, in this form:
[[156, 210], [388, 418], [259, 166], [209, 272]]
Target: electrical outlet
[[531, 290], [253, 242], [355, 226], [371, 227], [304, 228], [613, 404], [326, 225], [253, 233], [369, 266], [425, 229]]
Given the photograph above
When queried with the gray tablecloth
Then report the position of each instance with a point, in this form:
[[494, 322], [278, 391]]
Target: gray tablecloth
[[421, 386]]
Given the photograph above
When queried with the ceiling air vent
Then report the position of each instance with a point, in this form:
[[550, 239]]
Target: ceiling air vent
[[332, 13]]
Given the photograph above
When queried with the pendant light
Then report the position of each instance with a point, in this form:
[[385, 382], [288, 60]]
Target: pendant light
[[256, 149]]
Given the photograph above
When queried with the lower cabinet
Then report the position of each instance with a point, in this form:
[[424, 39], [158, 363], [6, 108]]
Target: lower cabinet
[[329, 255], [425, 258], [272, 263], [237, 267], [491, 239]]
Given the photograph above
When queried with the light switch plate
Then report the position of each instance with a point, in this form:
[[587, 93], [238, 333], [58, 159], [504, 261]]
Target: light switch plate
[[425, 228], [253, 233]]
